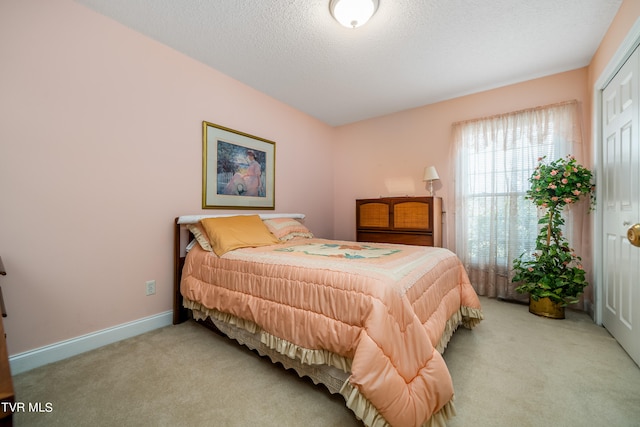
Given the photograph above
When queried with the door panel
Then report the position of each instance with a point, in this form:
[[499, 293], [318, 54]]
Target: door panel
[[620, 193]]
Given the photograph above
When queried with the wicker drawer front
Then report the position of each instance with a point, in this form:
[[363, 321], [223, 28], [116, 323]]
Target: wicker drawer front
[[413, 215], [406, 220], [374, 215]]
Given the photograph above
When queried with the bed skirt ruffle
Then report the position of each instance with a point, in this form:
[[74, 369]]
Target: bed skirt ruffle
[[303, 355], [466, 316]]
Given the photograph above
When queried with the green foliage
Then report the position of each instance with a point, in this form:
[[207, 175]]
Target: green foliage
[[554, 270]]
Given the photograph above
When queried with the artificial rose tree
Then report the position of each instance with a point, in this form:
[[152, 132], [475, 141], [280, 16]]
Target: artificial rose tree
[[554, 270]]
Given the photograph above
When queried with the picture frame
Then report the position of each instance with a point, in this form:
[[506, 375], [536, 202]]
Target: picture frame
[[238, 169]]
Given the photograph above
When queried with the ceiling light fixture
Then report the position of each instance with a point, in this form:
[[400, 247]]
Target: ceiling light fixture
[[353, 13]]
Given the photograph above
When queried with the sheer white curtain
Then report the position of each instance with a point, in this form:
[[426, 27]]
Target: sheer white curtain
[[494, 158]]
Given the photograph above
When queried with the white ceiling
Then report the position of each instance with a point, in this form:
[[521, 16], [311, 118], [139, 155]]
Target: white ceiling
[[411, 53]]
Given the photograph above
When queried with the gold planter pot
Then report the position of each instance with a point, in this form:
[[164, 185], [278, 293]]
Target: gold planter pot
[[546, 308]]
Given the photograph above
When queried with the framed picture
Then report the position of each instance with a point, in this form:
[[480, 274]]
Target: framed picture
[[238, 169]]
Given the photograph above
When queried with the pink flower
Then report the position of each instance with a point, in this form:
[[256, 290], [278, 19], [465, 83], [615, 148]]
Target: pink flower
[[536, 177], [578, 185], [554, 172], [554, 199], [568, 200], [565, 181], [530, 269], [566, 174], [576, 192], [552, 186]]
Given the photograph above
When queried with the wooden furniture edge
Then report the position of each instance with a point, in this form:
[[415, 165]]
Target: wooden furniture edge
[[7, 392]]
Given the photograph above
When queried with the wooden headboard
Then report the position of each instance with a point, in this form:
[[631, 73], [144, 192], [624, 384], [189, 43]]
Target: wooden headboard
[[180, 314]]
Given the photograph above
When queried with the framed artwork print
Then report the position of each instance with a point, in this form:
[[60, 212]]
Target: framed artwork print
[[238, 169]]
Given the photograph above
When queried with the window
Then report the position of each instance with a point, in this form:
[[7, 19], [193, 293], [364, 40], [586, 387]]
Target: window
[[495, 157]]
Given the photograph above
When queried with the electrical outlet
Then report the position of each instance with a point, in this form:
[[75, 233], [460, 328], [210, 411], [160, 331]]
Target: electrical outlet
[[151, 287]]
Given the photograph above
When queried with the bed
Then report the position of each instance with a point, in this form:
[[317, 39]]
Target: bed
[[367, 320]]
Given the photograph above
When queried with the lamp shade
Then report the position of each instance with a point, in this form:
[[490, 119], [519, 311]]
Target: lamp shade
[[353, 13], [430, 174]]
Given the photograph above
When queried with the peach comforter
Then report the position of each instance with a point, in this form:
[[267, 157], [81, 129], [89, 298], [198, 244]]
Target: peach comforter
[[385, 309]]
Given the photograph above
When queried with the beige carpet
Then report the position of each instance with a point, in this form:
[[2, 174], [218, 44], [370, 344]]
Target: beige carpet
[[513, 369]]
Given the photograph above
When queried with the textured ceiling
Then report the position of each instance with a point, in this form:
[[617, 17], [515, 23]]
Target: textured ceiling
[[411, 53]]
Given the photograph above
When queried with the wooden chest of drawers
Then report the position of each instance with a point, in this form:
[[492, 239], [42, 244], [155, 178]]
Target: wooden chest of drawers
[[6, 382], [405, 220]]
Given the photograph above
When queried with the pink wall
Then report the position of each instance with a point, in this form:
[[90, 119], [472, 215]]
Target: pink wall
[[396, 148], [627, 15], [100, 148]]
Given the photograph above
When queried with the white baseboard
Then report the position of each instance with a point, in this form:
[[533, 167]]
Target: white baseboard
[[31, 359]]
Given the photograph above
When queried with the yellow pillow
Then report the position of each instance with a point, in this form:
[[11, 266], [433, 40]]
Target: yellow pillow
[[233, 232]]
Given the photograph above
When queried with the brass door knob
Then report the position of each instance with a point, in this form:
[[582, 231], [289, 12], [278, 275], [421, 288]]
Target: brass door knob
[[633, 235]]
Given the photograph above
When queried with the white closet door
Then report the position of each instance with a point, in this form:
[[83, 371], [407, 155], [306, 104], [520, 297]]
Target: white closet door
[[620, 194]]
